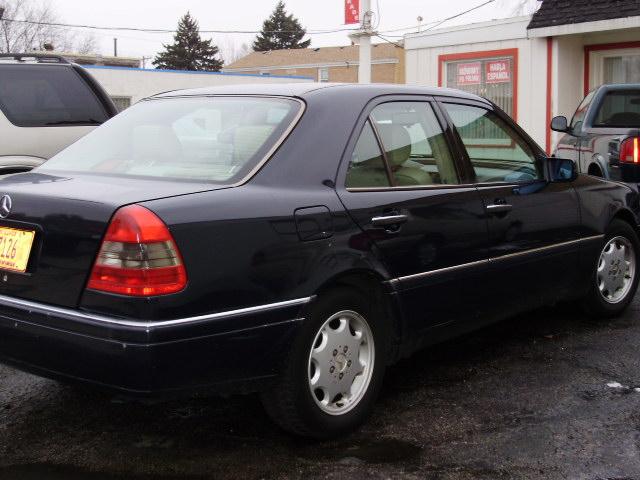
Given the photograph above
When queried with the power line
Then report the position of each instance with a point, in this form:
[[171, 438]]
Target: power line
[[160, 30], [436, 23]]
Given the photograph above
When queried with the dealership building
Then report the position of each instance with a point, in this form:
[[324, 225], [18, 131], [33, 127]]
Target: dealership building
[[537, 66]]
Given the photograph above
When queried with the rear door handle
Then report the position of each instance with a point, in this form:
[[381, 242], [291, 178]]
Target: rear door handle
[[498, 208], [389, 220]]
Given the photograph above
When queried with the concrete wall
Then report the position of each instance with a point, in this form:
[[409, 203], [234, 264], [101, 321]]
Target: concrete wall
[[380, 72], [138, 84]]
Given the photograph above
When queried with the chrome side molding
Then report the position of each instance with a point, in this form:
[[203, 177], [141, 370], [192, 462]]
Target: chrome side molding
[[34, 307], [492, 260]]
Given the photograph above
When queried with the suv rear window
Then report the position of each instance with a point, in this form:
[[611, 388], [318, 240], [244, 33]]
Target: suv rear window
[[219, 139], [619, 109], [47, 95]]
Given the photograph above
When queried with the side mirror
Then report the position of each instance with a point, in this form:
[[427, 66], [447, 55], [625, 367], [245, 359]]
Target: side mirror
[[562, 169], [560, 124]]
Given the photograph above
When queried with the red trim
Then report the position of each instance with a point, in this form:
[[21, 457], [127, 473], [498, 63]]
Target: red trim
[[513, 52], [549, 92], [603, 46]]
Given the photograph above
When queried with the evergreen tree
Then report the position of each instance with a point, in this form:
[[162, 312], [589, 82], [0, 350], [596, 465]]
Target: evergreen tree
[[189, 51], [280, 31]]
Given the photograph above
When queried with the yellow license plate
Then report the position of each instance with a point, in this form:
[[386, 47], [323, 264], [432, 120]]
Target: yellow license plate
[[15, 247]]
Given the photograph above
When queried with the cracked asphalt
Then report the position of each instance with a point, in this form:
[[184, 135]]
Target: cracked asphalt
[[550, 395]]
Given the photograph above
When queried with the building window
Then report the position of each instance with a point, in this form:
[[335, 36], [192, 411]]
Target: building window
[[323, 74], [121, 102], [492, 75]]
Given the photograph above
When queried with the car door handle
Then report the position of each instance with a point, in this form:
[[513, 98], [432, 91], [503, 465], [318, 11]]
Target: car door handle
[[497, 208], [389, 220]]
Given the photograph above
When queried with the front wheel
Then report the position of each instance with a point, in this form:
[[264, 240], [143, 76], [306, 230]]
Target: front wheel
[[615, 277], [334, 370]]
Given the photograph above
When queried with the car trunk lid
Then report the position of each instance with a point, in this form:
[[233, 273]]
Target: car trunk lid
[[69, 215]]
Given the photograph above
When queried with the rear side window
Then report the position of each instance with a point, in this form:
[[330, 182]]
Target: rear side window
[[619, 109], [47, 95], [219, 139]]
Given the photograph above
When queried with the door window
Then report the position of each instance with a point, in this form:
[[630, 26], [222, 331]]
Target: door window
[[496, 151], [367, 168], [415, 146], [415, 153]]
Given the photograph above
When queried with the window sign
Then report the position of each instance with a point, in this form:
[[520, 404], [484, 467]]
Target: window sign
[[498, 71], [491, 77], [469, 73]]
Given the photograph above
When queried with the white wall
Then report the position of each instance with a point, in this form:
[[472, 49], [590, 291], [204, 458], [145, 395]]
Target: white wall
[[139, 84]]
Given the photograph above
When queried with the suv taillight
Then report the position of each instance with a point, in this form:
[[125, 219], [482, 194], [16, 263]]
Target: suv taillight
[[629, 150], [138, 256]]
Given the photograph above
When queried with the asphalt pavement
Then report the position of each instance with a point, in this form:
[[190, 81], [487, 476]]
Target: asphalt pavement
[[548, 395]]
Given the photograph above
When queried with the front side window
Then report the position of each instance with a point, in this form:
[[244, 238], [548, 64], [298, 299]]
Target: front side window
[[581, 111], [496, 151], [217, 139], [47, 96], [619, 109]]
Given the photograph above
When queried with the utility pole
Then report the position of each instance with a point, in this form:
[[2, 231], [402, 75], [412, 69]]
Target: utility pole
[[363, 37], [115, 47]]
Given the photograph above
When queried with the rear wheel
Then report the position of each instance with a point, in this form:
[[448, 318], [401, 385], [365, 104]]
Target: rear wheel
[[615, 277], [334, 370]]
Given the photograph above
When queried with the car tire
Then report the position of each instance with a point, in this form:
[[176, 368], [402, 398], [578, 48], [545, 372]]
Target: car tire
[[342, 334], [614, 280]]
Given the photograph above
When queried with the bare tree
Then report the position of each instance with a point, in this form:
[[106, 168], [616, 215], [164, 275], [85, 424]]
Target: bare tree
[[232, 50], [26, 26], [517, 8]]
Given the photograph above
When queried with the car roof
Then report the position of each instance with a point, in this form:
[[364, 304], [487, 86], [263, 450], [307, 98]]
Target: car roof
[[303, 89]]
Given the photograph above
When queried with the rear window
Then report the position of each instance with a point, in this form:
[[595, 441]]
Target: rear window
[[47, 95], [619, 108], [217, 139]]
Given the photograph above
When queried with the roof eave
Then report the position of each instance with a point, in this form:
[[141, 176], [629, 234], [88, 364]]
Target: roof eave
[[585, 27]]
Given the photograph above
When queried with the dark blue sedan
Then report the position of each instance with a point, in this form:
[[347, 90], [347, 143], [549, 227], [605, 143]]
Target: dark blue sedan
[[294, 240]]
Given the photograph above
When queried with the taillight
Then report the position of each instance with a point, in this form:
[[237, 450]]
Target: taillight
[[138, 256], [629, 150]]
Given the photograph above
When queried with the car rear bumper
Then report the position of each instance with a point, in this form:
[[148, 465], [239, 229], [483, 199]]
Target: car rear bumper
[[239, 350]]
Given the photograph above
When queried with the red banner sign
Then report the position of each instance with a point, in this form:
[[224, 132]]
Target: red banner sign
[[498, 71], [469, 73], [351, 11]]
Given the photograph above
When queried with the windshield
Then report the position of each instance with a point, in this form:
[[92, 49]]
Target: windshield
[[46, 96], [218, 139], [619, 108]]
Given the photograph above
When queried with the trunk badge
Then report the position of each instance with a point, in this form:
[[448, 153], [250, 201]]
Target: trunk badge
[[5, 206]]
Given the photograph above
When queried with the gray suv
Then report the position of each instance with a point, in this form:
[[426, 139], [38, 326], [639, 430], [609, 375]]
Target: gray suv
[[46, 104]]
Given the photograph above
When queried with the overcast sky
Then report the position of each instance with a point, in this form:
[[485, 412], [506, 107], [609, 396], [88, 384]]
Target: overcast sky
[[248, 15]]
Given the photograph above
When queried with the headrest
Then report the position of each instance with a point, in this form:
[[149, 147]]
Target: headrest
[[155, 142], [397, 142]]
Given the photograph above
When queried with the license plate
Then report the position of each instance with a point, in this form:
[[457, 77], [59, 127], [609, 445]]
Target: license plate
[[15, 247]]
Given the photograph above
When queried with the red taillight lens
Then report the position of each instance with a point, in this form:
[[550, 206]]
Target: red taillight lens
[[138, 256], [629, 150]]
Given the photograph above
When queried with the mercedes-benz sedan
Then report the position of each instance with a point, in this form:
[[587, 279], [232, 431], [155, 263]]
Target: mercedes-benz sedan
[[294, 240]]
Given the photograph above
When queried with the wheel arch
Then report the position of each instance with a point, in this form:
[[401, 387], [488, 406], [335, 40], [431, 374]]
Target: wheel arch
[[373, 286], [627, 216]]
